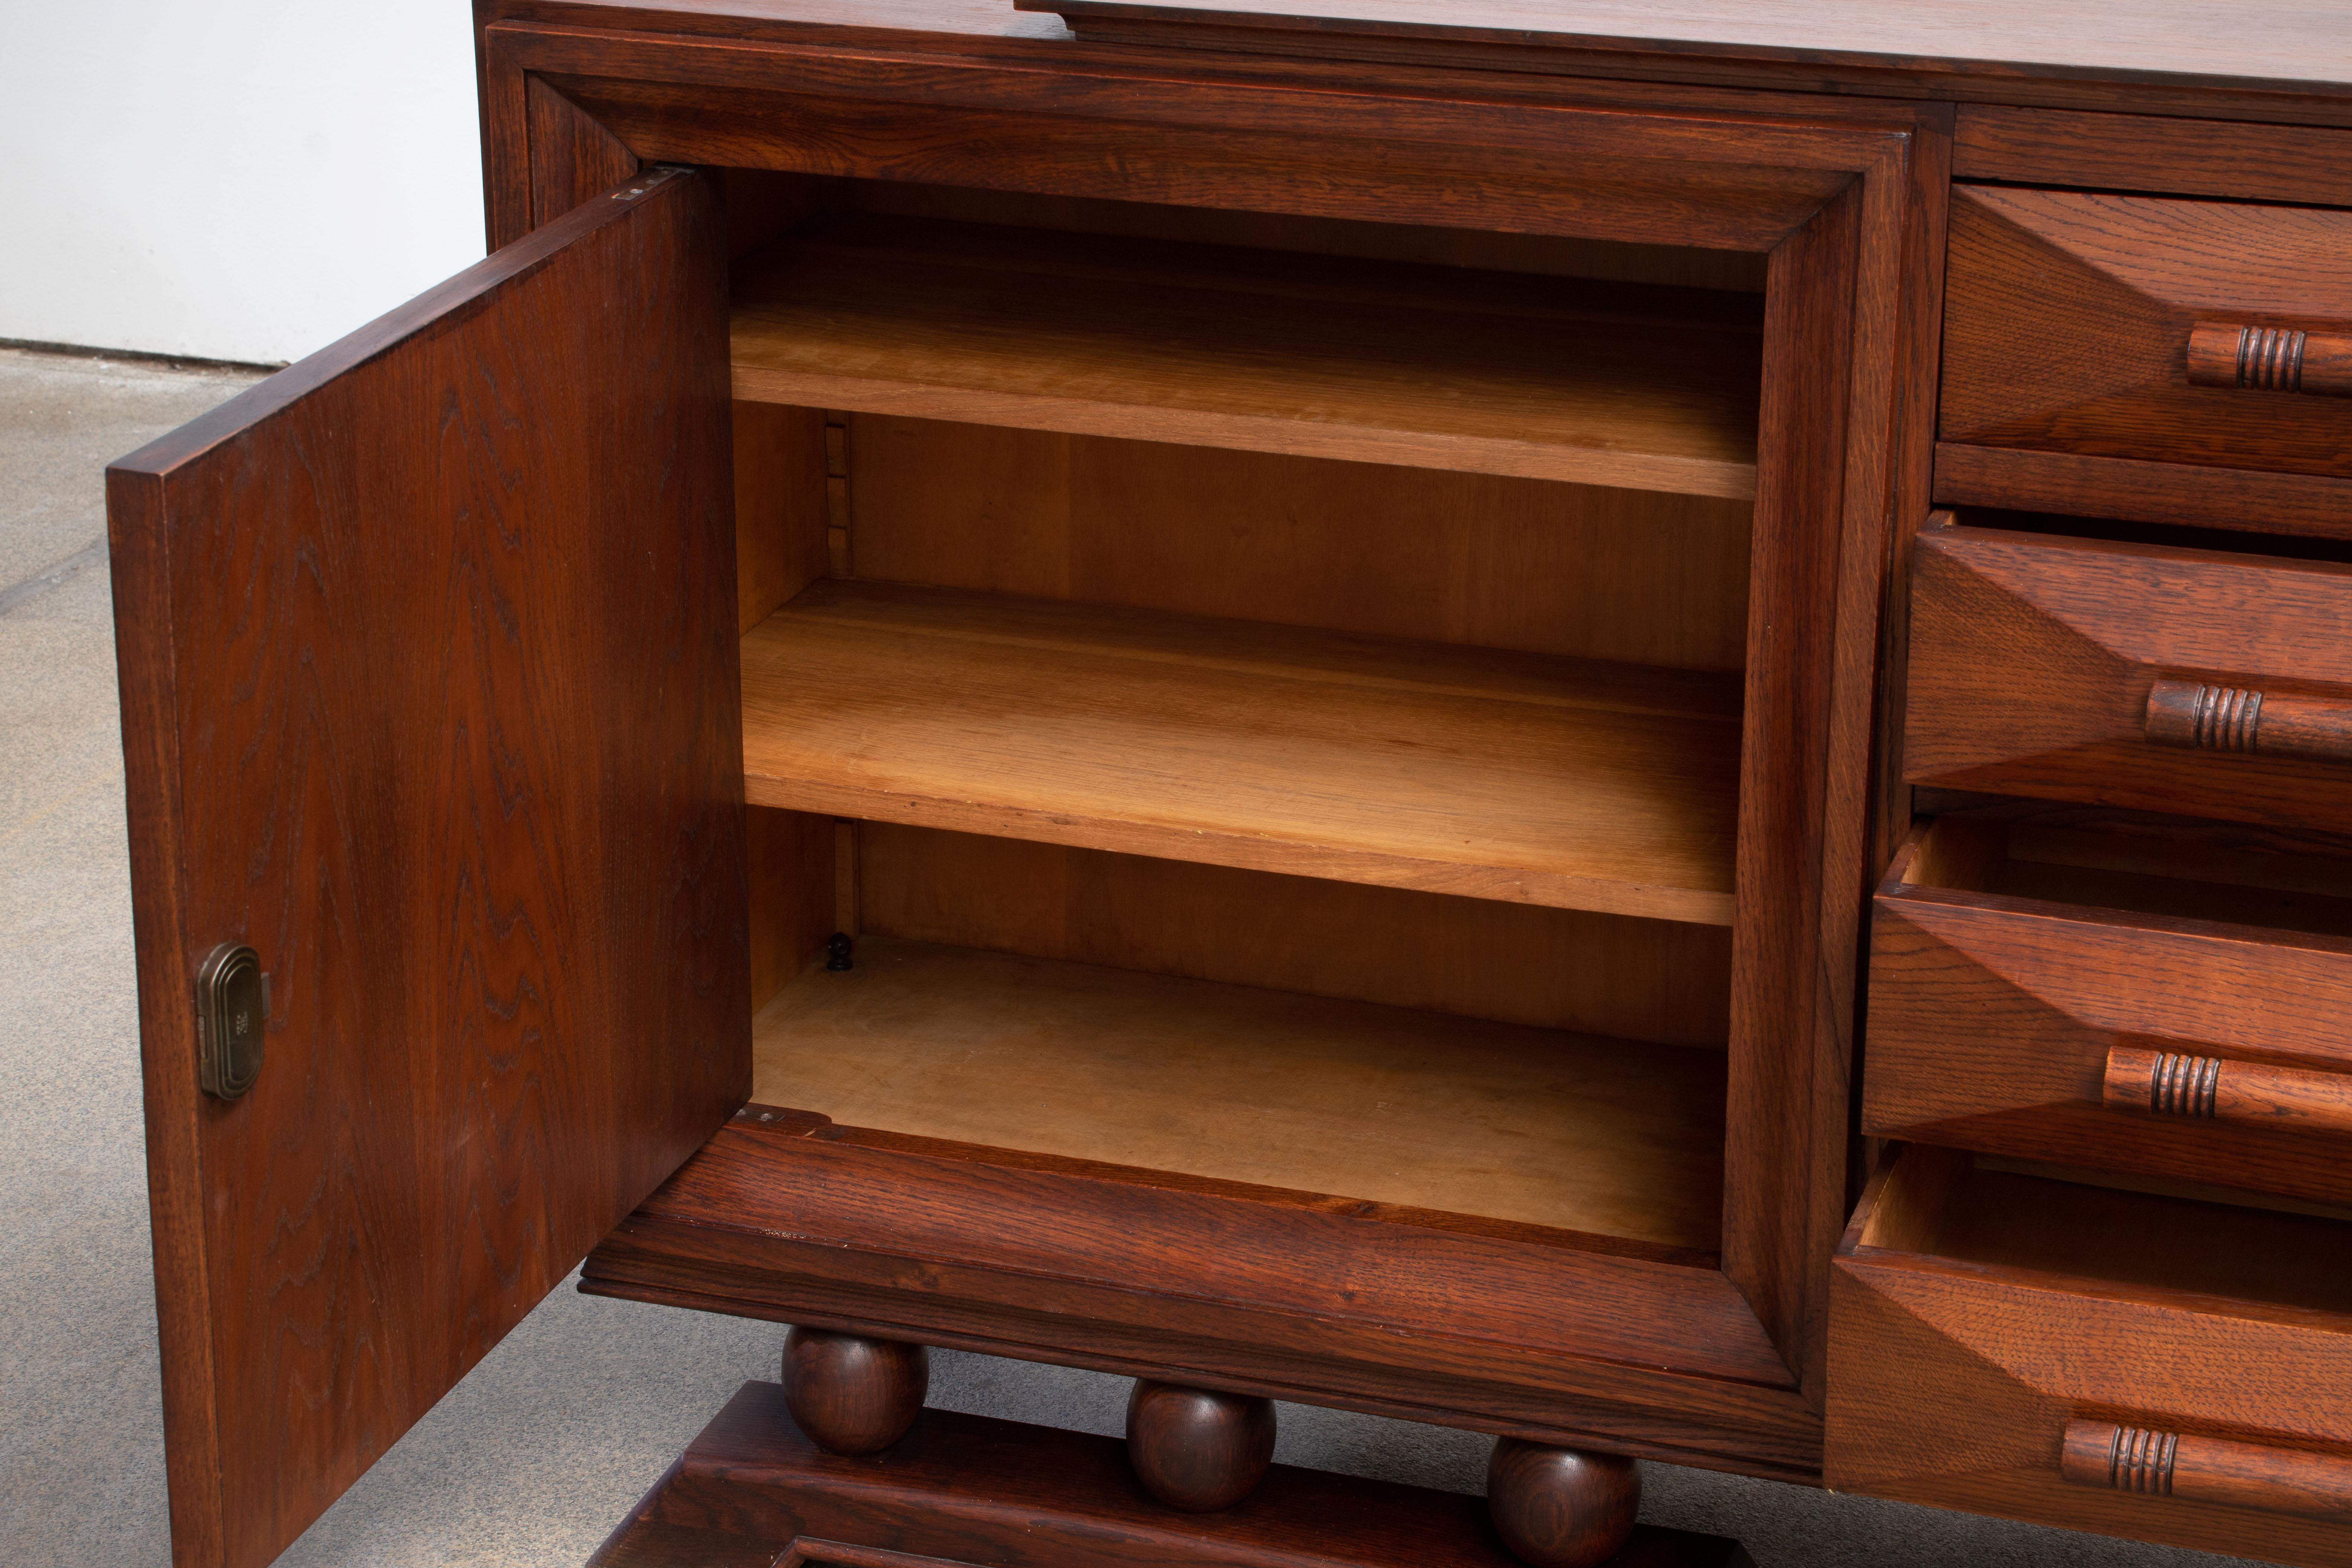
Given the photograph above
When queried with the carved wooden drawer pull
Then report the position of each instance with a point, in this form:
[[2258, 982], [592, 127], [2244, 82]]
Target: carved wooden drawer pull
[[2237, 719], [2271, 359], [2213, 1089], [2207, 1470]]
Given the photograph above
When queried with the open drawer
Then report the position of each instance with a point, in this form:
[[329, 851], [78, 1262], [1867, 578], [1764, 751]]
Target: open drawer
[[2012, 1343], [2119, 998], [2205, 682]]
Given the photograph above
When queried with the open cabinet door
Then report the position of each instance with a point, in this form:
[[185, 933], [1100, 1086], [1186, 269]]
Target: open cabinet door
[[430, 698]]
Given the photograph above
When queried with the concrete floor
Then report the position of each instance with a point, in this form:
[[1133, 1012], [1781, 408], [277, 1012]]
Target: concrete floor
[[543, 1448]]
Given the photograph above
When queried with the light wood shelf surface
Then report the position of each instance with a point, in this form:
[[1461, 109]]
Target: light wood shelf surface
[[1599, 383], [1383, 1104], [1501, 775]]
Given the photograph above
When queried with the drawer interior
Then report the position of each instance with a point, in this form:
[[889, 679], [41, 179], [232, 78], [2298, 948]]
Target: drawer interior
[[2183, 872], [1197, 795], [2003, 1214]]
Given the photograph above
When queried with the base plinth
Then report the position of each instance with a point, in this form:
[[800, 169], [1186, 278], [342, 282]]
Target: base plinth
[[753, 1492]]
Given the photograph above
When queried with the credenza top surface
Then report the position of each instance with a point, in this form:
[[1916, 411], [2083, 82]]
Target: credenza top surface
[[2299, 45]]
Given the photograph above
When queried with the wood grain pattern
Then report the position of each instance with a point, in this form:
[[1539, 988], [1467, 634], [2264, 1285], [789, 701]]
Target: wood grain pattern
[[972, 1489], [2275, 60], [1260, 1087], [780, 511], [359, 606], [2068, 318], [1590, 383], [2270, 359], [949, 95], [2202, 716], [2170, 1083], [851, 1394], [2307, 165], [1632, 576], [1453, 770], [1565, 1338], [2046, 667], [1443, 245], [1996, 1018], [1198, 1450], [790, 861], [2184, 494], [2208, 1469], [1666, 981], [1555, 1508], [572, 158], [1337, 144], [1958, 1368]]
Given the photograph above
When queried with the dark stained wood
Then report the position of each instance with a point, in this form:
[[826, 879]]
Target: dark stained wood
[[2201, 716], [967, 1488], [2073, 669], [1238, 135], [2069, 316], [1810, 695], [2270, 359], [2257, 1094], [2014, 145], [1997, 1021], [1151, 1275], [1556, 1508], [2267, 61], [2184, 494], [1962, 1357], [1196, 1449], [1521, 166], [359, 605], [572, 158], [2208, 1469], [852, 1394]]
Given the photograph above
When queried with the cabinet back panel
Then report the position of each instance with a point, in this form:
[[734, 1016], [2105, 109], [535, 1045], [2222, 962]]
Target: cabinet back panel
[[1639, 576], [1519, 963], [1741, 271]]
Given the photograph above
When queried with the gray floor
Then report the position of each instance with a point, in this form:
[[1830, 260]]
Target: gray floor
[[550, 1439]]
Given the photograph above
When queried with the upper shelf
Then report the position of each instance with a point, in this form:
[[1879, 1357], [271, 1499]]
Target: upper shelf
[[1497, 776], [1435, 367]]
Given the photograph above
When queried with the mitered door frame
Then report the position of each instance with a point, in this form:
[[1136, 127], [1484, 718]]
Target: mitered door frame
[[1845, 197]]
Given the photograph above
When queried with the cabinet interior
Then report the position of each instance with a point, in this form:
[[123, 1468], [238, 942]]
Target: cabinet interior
[[2177, 870], [1200, 795], [2006, 1214]]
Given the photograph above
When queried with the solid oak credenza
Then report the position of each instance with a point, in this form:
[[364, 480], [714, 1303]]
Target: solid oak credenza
[[1624, 725]]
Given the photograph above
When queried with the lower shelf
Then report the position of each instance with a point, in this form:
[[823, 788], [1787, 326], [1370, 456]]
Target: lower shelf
[[753, 1492], [1385, 1104]]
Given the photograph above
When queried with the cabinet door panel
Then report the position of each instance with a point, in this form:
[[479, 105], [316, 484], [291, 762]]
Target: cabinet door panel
[[429, 697]]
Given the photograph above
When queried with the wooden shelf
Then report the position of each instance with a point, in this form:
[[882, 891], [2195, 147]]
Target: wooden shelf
[[1498, 776], [1550, 378], [1384, 1104]]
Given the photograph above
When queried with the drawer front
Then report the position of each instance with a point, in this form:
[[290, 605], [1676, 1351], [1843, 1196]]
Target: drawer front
[[2137, 327], [2155, 1415], [2199, 682], [2201, 1052]]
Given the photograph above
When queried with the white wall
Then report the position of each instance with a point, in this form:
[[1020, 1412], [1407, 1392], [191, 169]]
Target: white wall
[[231, 179]]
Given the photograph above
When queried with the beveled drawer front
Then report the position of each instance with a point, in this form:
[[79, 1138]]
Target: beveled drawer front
[[2201, 682], [2200, 1050], [2138, 327], [2079, 1356]]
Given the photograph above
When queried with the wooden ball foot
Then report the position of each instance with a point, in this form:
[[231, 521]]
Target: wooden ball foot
[[1557, 1508], [1196, 1450], [852, 1394]]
